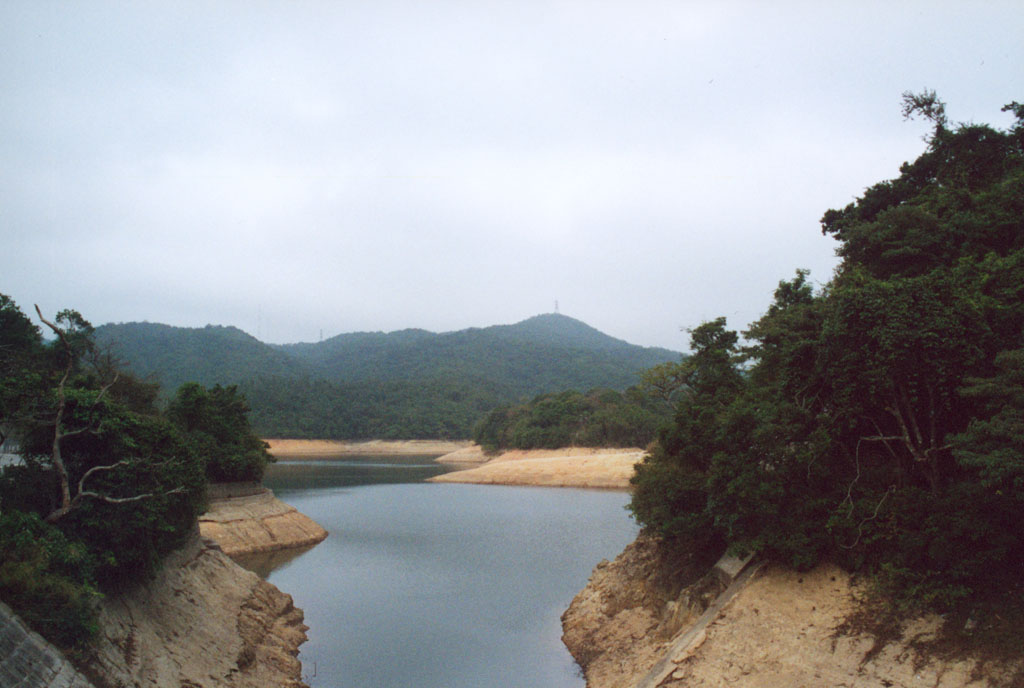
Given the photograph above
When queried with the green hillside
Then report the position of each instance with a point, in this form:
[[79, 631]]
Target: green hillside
[[539, 354], [409, 383], [208, 355]]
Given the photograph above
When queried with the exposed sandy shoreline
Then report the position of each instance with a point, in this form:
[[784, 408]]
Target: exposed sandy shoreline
[[285, 449], [649, 619], [607, 468]]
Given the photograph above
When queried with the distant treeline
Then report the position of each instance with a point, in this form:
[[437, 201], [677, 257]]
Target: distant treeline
[[406, 384], [600, 418], [310, 408]]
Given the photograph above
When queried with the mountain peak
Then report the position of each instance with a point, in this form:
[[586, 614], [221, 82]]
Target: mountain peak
[[562, 330]]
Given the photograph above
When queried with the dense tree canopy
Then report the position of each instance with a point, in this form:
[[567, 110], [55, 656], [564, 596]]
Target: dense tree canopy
[[106, 484], [399, 385], [878, 421], [216, 423], [600, 418]]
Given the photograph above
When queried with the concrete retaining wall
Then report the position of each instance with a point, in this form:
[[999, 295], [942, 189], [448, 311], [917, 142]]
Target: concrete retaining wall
[[28, 661]]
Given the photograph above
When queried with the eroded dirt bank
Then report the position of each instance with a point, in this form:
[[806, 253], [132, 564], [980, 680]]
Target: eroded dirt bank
[[570, 467], [249, 519], [778, 631], [202, 622]]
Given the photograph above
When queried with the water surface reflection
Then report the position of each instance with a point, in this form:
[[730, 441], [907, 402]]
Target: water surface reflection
[[440, 585]]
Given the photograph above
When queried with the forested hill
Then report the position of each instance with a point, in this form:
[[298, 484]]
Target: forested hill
[[209, 355], [409, 383], [531, 355]]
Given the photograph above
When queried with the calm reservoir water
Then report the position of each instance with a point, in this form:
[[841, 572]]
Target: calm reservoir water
[[439, 585]]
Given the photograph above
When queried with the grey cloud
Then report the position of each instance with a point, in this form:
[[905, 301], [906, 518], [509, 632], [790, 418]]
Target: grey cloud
[[291, 167]]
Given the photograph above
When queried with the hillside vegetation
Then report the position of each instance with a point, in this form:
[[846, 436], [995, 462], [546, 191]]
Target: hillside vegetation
[[107, 485], [405, 384], [877, 421], [600, 418]]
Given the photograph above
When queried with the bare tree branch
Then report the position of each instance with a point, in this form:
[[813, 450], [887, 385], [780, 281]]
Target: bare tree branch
[[82, 493], [58, 461], [849, 489], [67, 503], [872, 517]]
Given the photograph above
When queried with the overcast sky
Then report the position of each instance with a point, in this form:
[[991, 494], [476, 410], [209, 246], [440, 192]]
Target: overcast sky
[[297, 167]]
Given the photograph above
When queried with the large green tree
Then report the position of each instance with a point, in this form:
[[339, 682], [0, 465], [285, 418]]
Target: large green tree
[[878, 420], [215, 422], [671, 485], [106, 485]]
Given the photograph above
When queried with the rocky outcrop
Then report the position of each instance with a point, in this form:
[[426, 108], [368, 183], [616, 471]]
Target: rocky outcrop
[[647, 620], [252, 520], [202, 622], [623, 621]]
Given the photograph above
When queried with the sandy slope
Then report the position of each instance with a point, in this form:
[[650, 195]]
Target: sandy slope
[[201, 622], [569, 467], [779, 631]]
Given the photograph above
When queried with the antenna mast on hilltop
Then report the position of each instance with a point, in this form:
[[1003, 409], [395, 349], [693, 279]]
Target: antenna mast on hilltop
[[556, 306]]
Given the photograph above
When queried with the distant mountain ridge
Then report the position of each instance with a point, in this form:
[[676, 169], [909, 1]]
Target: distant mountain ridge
[[214, 354], [413, 373], [406, 354]]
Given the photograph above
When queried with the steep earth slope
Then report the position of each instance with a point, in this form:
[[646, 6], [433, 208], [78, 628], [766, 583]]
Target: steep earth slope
[[643, 622], [202, 622]]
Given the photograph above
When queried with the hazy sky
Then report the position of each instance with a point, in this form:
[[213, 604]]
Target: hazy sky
[[297, 167]]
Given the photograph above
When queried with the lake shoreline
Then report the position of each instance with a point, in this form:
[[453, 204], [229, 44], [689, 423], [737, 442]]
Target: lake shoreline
[[284, 449], [608, 468], [432, 569]]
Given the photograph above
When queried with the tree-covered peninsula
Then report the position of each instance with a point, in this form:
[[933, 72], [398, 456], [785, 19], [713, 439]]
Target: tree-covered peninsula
[[878, 420]]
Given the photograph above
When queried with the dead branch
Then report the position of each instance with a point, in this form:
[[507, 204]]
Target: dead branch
[[58, 461], [904, 437], [872, 517], [849, 489], [911, 416], [67, 503]]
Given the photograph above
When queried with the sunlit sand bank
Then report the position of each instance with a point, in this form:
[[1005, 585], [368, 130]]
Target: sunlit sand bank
[[285, 449], [608, 468]]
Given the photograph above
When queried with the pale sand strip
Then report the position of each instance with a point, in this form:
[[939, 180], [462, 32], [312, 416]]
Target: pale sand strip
[[285, 449], [474, 453], [570, 467]]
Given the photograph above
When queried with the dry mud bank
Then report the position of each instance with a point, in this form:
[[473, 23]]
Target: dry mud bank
[[249, 519], [647, 620], [202, 622], [570, 467], [309, 449]]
